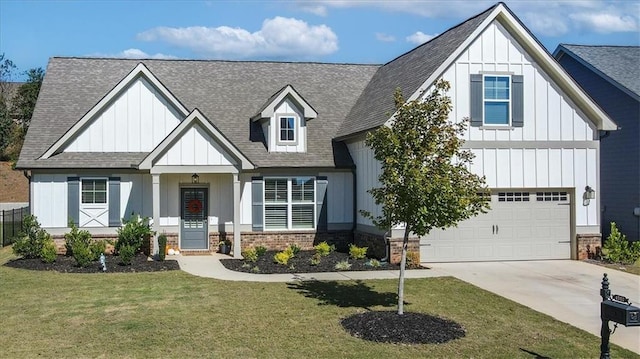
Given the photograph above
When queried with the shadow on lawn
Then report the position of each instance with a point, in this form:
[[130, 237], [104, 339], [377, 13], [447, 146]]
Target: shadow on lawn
[[344, 294], [535, 355]]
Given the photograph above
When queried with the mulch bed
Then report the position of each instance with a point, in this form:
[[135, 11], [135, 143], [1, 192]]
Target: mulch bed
[[301, 263], [409, 328], [66, 264]]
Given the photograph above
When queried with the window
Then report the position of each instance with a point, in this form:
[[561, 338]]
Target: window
[[497, 100], [94, 191], [513, 197], [289, 203], [551, 196], [287, 129]]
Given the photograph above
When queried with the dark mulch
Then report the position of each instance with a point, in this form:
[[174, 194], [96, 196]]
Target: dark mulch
[[66, 264], [409, 328], [301, 263]]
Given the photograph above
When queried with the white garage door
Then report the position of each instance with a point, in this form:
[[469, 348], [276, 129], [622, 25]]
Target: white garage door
[[519, 226]]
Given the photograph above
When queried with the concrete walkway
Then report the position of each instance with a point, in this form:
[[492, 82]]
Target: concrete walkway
[[568, 291]]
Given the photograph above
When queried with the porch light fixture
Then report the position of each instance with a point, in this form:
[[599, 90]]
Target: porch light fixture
[[588, 195], [195, 178]]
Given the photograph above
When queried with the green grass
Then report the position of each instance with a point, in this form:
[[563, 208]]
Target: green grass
[[176, 315]]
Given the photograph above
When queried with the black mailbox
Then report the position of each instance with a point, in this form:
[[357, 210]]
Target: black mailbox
[[622, 313]]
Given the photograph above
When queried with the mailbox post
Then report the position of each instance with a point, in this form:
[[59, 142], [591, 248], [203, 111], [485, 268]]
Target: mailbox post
[[614, 308]]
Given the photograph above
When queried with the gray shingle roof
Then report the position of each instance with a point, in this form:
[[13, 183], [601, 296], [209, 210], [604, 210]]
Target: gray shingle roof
[[228, 94], [620, 63], [406, 72]]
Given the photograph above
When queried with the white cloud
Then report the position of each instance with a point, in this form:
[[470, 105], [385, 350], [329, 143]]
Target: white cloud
[[605, 22], [134, 54], [319, 10], [419, 37], [550, 25], [279, 37], [384, 37]]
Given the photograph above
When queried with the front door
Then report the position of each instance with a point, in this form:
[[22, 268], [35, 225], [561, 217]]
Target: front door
[[194, 218]]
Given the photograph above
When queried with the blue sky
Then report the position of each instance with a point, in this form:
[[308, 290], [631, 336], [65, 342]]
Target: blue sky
[[327, 31]]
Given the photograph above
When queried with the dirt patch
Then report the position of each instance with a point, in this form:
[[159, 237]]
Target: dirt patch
[[14, 186]]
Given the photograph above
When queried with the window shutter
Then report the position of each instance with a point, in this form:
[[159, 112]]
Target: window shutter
[[476, 100], [517, 101], [321, 202], [73, 200], [114, 202], [257, 199]]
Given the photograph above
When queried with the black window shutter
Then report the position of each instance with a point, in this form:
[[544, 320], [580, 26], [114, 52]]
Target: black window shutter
[[321, 203], [517, 101], [73, 200], [114, 202], [476, 100], [257, 198]]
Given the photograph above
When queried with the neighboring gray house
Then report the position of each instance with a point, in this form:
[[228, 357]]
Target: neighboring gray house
[[272, 153], [611, 76]]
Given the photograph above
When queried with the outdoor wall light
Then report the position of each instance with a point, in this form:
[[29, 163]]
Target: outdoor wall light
[[195, 178], [588, 195]]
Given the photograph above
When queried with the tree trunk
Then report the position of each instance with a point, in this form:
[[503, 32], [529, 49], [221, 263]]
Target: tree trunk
[[403, 263]]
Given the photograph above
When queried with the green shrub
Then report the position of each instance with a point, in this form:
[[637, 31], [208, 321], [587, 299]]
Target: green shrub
[[356, 252], [49, 252], [76, 237], [82, 254], [295, 249], [261, 250], [289, 252], [315, 260], [132, 233], [31, 239], [618, 249], [373, 263], [255, 269], [343, 265], [126, 254], [413, 259], [97, 248], [162, 243], [324, 249], [250, 255], [282, 257]]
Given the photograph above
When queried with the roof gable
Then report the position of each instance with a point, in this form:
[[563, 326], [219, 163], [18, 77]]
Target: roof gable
[[140, 71], [267, 110]]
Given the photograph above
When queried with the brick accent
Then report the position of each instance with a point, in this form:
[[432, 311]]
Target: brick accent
[[305, 240], [413, 247], [589, 245], [377, 246], [59, 240]]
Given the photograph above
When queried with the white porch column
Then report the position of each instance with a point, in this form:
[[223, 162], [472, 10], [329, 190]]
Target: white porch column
[[156, 210], [236, 217]]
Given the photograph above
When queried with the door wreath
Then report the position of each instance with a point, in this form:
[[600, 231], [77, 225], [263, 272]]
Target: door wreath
[[194, 206]]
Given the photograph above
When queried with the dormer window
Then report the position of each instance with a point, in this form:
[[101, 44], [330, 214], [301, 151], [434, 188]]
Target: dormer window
[[287, 129]]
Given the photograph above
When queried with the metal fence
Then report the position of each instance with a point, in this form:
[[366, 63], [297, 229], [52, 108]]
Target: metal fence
[[11, 224]]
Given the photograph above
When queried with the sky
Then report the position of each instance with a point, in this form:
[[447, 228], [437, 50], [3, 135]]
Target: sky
[[344, 31]]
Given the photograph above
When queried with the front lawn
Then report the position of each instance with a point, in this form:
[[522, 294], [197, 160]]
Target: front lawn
[[173, 314]]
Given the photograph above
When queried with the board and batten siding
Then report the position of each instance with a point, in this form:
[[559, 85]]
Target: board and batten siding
[[137, 120], [195, 147]]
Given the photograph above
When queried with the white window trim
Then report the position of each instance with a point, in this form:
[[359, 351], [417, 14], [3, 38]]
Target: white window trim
[[296, 129], [289, 204], [484, 100]]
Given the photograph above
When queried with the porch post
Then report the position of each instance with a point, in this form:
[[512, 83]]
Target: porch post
[[236, 217], [156, 210]]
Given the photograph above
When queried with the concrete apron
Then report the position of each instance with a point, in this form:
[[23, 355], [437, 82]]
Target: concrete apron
[[568, 291]]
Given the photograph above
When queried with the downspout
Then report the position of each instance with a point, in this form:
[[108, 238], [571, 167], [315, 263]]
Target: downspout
[[355, 201], [28, 176]]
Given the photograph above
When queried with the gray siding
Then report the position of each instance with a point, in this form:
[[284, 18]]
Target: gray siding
[[619, 152]]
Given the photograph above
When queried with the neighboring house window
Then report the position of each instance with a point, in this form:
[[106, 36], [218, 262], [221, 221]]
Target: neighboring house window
[[287, 130], [94, 191], [289, 203], [497, 100]]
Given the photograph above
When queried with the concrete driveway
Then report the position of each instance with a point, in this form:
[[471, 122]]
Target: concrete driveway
[[566, 290]]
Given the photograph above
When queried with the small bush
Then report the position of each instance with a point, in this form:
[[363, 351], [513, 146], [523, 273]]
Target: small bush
[[126, 254], [413, 259], [49, 252], [356, 252], [255, 269], [76, 237], [373, 263], [132, 233], [315, 260], [261, 250], [282, 257], [324, 249], [97, 248], [250, 255], [82, 254], [290, 252], [31, 239], [618, 249], [343, 265], [295, 249], [162, 243]]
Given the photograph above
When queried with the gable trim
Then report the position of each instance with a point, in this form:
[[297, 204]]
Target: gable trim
[[514, 26], [139, 71], [195, 117], [269, 107]]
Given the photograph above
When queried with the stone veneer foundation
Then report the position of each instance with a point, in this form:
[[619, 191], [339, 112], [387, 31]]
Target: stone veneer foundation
[[589, 245]]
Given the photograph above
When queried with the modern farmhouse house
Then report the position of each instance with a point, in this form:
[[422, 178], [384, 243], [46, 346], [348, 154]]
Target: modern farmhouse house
[[270, 153]]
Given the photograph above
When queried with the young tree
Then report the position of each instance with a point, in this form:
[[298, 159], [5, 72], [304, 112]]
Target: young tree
[[7, 125], [425, 182], [23, 104]]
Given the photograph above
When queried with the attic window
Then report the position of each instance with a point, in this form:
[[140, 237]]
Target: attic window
[[287, 129]]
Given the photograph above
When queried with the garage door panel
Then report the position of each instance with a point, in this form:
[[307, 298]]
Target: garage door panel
[[518, 227]]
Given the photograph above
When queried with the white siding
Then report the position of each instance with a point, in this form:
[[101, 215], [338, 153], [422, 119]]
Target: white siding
[[367, 172], [136, 121], [49, 199], [135, 195], [287, 108], [245, 199], [339, 197], [196, 147]]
